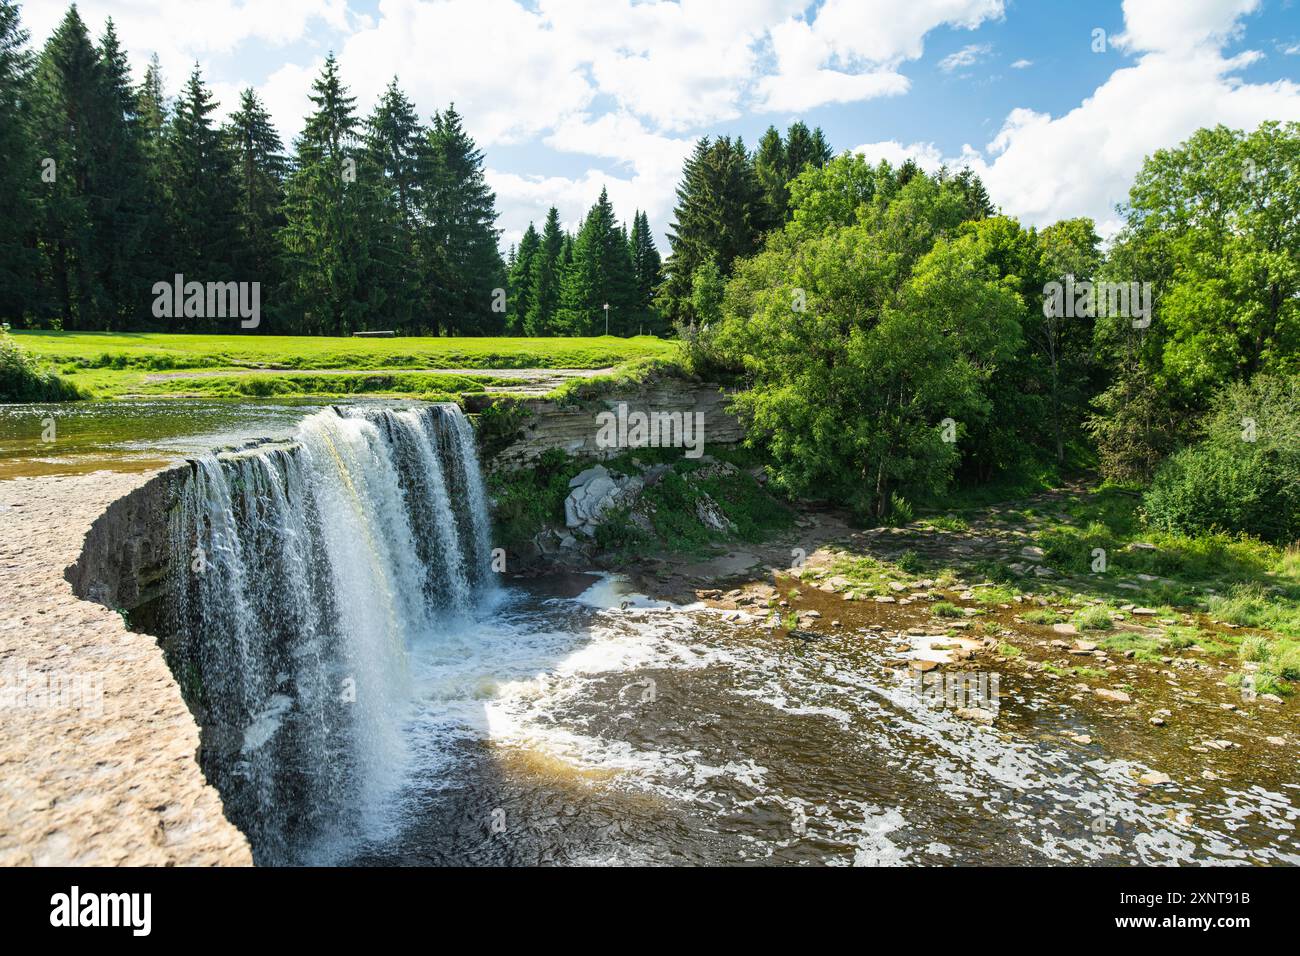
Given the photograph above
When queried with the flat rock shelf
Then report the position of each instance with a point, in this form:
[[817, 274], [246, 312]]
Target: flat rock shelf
[[91, 785]]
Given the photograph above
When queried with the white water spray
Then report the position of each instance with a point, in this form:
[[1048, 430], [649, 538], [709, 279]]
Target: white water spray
[[316, 566]]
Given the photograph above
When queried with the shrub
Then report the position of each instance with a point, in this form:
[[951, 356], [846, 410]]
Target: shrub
[[946, 609], [1209, 488], [1045, 617], [1244, 478], [22, 380]]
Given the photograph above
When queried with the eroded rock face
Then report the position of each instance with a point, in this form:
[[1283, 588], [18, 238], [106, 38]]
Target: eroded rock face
[[595, 492], [106, 775], [574, 428]]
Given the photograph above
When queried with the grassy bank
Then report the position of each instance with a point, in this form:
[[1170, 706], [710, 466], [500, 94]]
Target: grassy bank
[[110, 365], [1084, 562]]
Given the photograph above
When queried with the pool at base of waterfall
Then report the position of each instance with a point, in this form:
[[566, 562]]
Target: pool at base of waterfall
[[599, 727]]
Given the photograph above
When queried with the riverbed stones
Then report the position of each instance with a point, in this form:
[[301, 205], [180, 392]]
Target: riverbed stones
[[1114, 696]]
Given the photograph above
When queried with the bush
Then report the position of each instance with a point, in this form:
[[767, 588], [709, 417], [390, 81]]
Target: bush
[[1209, 488], [1244, 478], [22, 380]]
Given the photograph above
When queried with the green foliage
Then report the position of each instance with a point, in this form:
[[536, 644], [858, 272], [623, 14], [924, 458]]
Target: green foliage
[[530, 498], [19, 259], [1043, 616], [946, 609], [601, 273], [1244, 478], [859, 342], [1214, 225], [22, 380], [720, 216], [1095, 617]]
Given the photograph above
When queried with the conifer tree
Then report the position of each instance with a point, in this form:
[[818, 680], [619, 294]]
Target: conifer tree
[[521, 274], [646, 266], [601, 272], [202, 197], [260, 168], [545, 278], [461, 212], [121, 200], [74, 116], [20, 173], [397, 154], [329, 214], [720, 215]]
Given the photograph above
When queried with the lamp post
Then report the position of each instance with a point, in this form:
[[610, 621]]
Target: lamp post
[[607, 318]]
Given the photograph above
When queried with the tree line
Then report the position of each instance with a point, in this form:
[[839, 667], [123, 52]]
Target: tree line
[[560, 283], [364, 223], [896, 333]]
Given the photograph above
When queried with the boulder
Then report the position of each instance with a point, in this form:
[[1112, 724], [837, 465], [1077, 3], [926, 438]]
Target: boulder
[[594, 492]]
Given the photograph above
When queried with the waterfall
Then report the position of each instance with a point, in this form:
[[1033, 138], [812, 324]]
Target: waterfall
[[302, 574]]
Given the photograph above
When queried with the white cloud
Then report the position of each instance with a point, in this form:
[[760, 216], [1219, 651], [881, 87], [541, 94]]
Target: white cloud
[[181, 33], [851, 51], [968, 55], [1159, 26], [1042, 168], [886, 31], [926, 155], [1022, 64]]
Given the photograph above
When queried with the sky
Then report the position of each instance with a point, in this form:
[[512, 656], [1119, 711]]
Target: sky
[[1053, 102]]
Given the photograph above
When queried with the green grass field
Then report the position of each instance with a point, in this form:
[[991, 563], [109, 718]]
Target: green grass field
[[110, 365]]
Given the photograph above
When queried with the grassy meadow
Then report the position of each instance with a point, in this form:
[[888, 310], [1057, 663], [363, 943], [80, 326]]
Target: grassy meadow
[[115, 365]]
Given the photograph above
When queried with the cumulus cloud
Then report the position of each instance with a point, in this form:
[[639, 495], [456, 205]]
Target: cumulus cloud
[[630, 83], [926, 155], [1043, 168]]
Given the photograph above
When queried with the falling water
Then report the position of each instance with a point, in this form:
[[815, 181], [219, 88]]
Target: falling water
[[309, 570]]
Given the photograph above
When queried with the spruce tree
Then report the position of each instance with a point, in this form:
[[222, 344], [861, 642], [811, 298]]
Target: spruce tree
[[601, 273], [20, 173], [154, 113], [770, 167], [70, 119], [462, 250], [260, 168], [520, 287], [397, 153], [646, 267], [720, 215], [329, 215], [545, 278], [121, 203], [202, 196]]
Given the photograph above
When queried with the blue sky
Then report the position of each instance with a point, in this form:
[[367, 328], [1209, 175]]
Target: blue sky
[[568, 95]]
